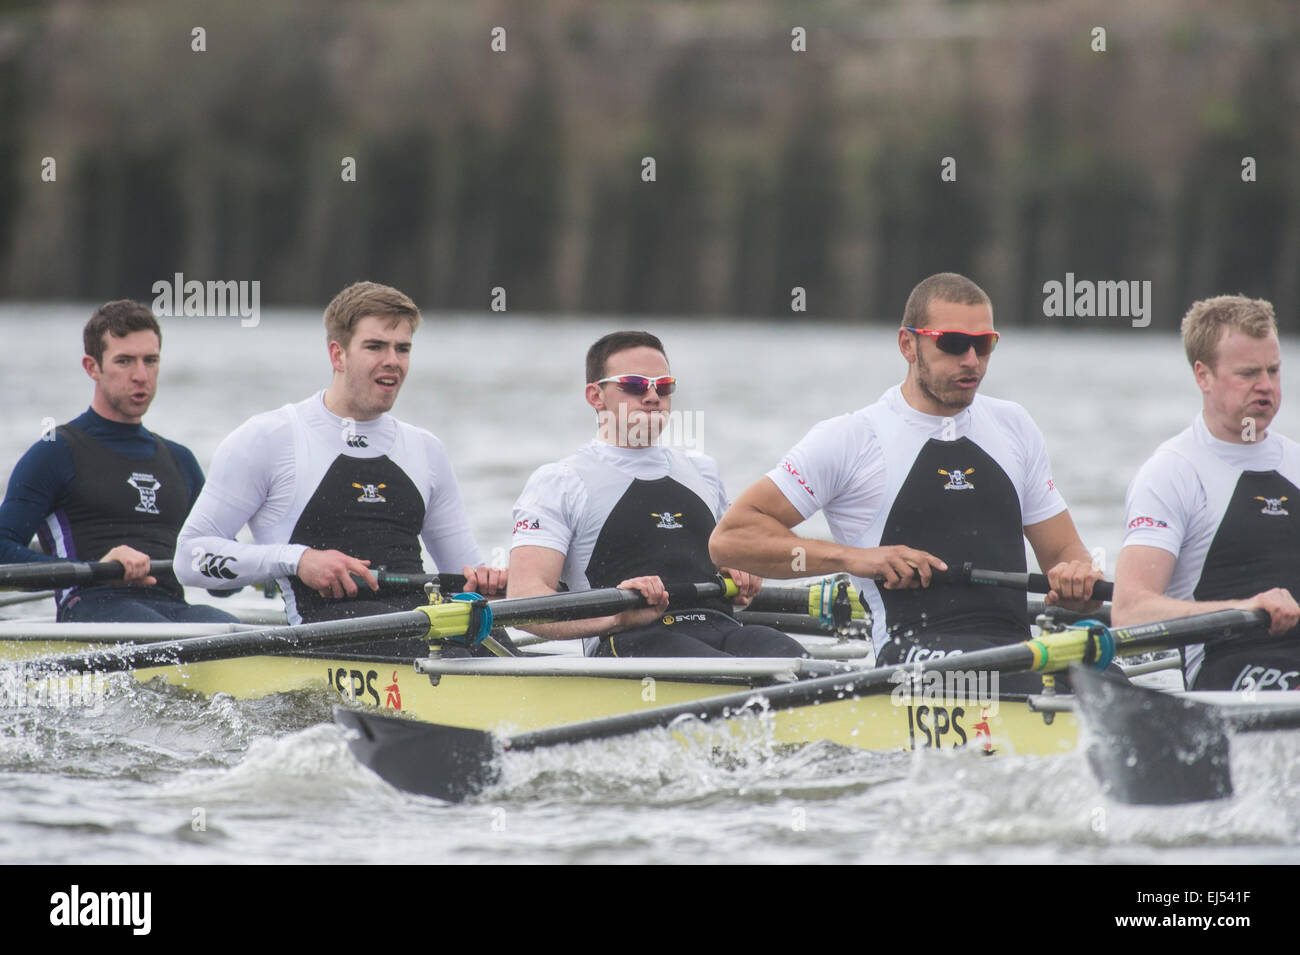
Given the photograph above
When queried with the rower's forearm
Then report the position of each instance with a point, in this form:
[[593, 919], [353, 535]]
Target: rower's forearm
[[1077, 552], [573, 629], [1133, 610], [777, 553], [216, 563], [528, 586]]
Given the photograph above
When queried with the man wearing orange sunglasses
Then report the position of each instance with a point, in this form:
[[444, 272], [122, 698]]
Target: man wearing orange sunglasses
[[626, 511], [929, 477]]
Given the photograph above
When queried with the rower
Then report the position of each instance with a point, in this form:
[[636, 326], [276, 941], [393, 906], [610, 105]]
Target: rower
[[102, 487], [930, 469], [628, 512], [335, 486], [1212, 516]]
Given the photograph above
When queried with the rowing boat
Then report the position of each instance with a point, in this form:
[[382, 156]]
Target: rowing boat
[[536, 691], [550, 689], [540, 699]]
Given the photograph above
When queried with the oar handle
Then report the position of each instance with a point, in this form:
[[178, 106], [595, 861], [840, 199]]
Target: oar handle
[[1031, 583], [447, 583], [67, 573]]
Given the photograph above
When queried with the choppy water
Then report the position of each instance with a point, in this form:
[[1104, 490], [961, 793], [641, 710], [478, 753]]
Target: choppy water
[[272, 781]]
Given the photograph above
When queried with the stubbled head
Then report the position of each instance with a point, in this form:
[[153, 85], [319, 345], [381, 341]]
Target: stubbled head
[[941, 381], [944, 287]]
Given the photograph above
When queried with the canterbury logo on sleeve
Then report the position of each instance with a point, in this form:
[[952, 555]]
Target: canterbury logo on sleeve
[[213, 565]]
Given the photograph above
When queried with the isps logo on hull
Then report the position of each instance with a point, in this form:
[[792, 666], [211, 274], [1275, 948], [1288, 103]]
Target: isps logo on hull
[[360, 686], [936, 727]]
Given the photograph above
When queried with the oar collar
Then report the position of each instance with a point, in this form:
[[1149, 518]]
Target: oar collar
[[1088, 642], [465, 619]]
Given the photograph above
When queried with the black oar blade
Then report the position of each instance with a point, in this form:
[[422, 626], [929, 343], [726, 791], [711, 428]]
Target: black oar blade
[[1150, 748], [448, 762]]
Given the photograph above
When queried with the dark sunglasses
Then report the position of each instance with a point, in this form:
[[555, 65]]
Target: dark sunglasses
[[958, 343], [640, 384]]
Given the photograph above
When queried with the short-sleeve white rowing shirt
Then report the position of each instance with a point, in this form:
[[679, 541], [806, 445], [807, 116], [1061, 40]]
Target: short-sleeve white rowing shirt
[[962, 488], [1225, 511], [616, 513]]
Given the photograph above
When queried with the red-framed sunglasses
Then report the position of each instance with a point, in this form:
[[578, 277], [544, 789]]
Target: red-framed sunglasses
[[640, 384], [958, 343]]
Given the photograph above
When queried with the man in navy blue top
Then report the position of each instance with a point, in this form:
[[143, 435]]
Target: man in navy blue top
[[101, 487]]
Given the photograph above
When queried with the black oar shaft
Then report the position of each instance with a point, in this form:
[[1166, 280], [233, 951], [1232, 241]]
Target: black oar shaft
[[551, 608], [1200, 628], [453, 763], [681, 594], [221, 646], [771, 599], [44, 575], [1013, 658], [782, 599], [391, 626]]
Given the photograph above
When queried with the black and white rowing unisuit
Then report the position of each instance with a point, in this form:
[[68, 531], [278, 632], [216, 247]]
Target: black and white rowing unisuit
[[302, 477], [617, 513], [1230, 515], [962, 488]]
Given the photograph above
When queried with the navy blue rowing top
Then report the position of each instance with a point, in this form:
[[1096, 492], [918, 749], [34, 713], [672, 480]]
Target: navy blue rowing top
[[40, 488]]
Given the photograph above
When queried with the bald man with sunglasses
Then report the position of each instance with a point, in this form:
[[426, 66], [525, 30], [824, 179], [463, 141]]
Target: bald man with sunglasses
[[930, 476], [628, 512]]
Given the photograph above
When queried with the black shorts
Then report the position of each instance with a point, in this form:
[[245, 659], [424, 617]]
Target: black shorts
[[699, 633], [1264, 664]]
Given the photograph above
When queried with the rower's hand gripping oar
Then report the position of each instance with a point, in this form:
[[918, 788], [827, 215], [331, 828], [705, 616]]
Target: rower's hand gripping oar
[[473, 617], [1029, 583], [454, 763], [835, 604], [967, 573], [61, 574]]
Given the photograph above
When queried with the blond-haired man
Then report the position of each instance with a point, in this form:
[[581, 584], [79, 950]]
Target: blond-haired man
[[1212, 519], [335, 485]]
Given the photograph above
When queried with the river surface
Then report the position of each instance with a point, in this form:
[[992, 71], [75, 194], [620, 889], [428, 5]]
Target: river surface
[[271, 780]]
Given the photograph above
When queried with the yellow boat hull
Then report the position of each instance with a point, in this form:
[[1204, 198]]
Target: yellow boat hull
[[522, 703]]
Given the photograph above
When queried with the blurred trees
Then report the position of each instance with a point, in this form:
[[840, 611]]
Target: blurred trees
[[522, 168]]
